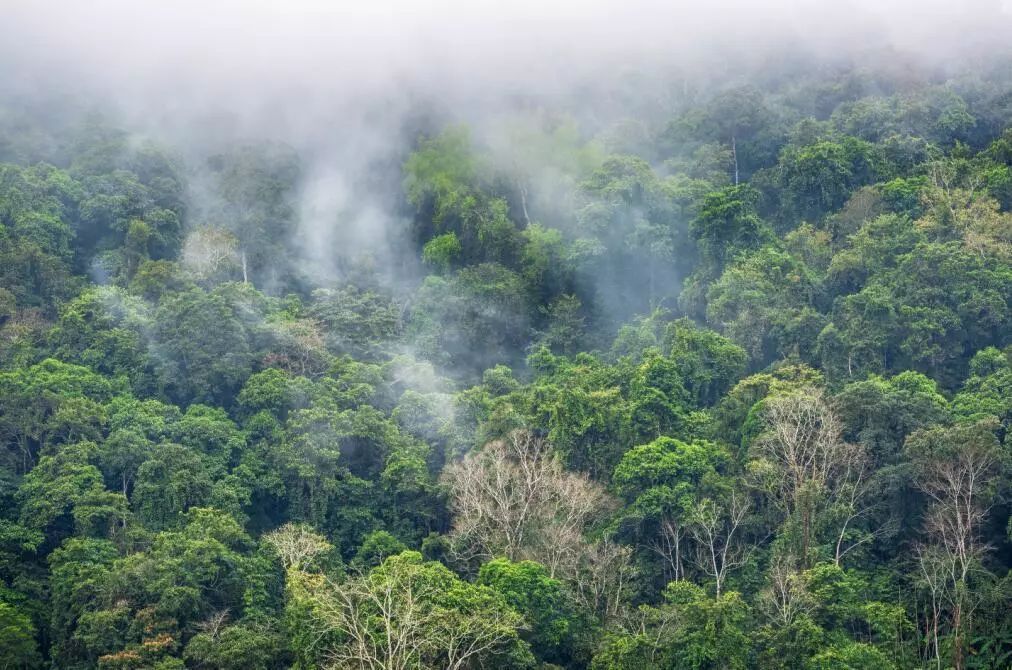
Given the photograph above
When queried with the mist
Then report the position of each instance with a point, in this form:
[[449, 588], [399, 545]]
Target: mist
[[352, 86], [523, 335]]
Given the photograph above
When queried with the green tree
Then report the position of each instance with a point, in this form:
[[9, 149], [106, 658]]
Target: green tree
[[18, 648], [553, 626]]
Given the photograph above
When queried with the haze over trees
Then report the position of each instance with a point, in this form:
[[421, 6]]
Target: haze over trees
[[679, 363]]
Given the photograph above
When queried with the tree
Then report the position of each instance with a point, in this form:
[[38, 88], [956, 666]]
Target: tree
[[553, 624], [356, 321], [764, 302], [851, 656], [688, 630], [476, 319], [588, 408], [375, 548], [194, 367], [818, 178], [246, 645], [211, 255], [717, 528], [170, 483], [297, 546], [708, 363], [47, 404], [17, 639], [957, 469], [254, 189], [982, 393], [408, 613], [146, 605], [802, 462], [106, 329], [512, 498], [627, 236], [79, 568], [880, 413], [68, 487], [728, 224], [663, 482]]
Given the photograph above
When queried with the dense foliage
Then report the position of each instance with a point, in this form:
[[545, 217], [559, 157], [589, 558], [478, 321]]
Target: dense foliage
[[729, 389]]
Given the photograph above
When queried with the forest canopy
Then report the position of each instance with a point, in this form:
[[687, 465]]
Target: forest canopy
[[676, 367]]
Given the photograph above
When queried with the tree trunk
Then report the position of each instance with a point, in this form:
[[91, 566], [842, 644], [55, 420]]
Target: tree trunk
[[957, 637], [678, 558], [523, 201], [806, 524], [734, 155]]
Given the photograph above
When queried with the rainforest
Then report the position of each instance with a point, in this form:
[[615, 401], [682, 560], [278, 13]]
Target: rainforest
[[589, 337]]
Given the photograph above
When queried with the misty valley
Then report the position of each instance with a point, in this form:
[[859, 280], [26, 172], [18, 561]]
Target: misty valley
[[690, 362]]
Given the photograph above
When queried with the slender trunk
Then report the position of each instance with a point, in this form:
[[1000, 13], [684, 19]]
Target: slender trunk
[[935, 613], [716, 571], [678, 557], [806, 522], [734, 154], [27, 461], [839, 541], [957, 640], [523, 201]]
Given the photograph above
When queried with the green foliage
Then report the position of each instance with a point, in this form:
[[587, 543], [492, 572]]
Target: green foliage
[[476, 318], [357, 322], [728, 223], [442, 251], [666, 462], [377, 547], [18, 648], [765, 302], [196, 368], [553, 623], [769, 314], [818, 178], [690, 630], [708, 363]]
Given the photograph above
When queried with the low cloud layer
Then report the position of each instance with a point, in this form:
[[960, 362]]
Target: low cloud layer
[[272, 58], [351, 84]]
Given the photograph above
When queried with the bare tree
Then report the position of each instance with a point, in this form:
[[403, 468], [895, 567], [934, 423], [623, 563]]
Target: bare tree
[[716, 528], [933, 577], [668, 545], [214, 624], [297, 545], [211, 253], [956, 469], [851, 501], [407, 615], [602, 577], [806, 467], [513, 498], [300, 348], [358, 606], [785, 597]]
